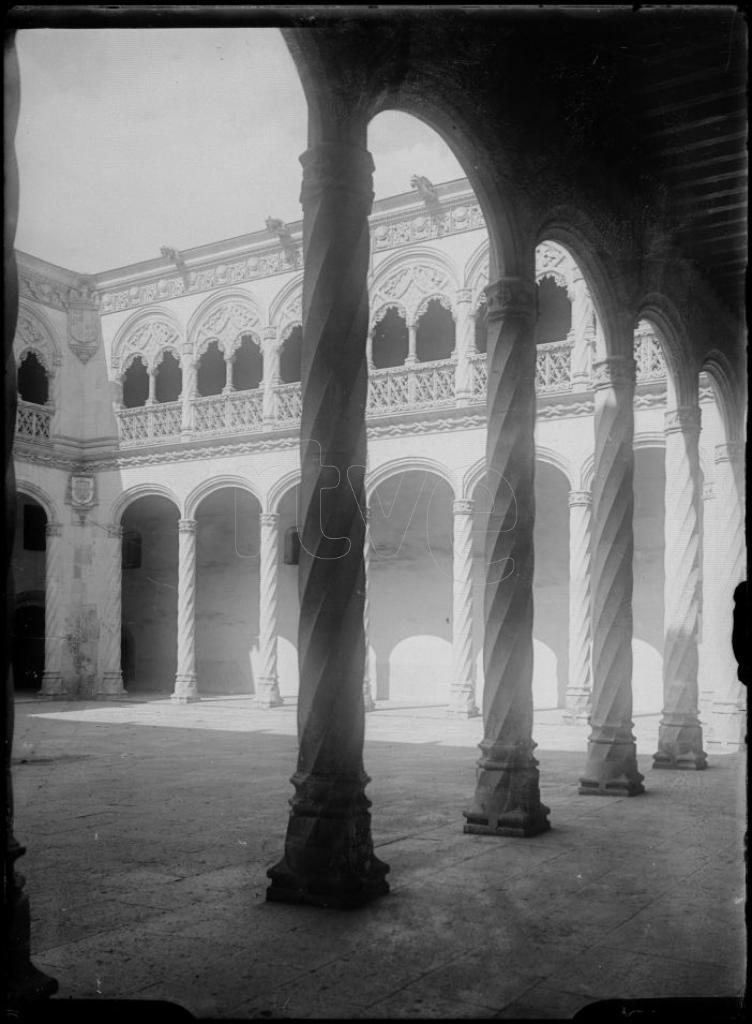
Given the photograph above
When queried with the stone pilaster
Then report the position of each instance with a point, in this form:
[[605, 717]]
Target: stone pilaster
[[186, 684], [54, 613], [111, 674], [267, 692], [728, 708], [462, 693], [611, 768], [464, 333], [188, 393], [580, 688], [507, 795], [369, 685], [680, 732], [328, 858]]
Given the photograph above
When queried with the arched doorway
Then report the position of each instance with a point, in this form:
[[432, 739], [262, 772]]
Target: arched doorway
[[410, 587], [227, 591], [150, 584]]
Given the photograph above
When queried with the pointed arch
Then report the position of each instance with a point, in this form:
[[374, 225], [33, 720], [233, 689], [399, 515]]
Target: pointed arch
[[147, 334], [286, 309], [35, 333], [411, 277], [475, 276], [726, 391]]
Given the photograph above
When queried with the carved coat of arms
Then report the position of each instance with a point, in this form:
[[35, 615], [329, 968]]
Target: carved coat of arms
[[84, 331]]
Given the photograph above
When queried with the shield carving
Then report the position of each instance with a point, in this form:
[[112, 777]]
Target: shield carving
[[83, 329], [82, 490]]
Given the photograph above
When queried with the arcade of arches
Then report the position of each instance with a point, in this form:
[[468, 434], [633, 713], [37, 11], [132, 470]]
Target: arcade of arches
[[549, 512]]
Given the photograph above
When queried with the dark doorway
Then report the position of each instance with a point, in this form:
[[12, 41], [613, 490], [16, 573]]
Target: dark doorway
[[28, 655]]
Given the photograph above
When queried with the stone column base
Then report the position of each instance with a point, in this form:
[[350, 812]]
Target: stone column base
[[729, 728], [611, 768], [507, 796], [52, 685], [680, 747], [268, 695], [462, 704], [329, 859], [186, 689], [111, 687]]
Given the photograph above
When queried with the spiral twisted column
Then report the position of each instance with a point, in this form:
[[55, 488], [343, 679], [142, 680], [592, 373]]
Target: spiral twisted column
[[580, 688], [188, 391], [186, 684], [611, 768], [328, 858], [465, 335], [111, 684], [680, 732], [507, 796], [728, 708], [54, 613], [271, 374], [267, 694], [462, 693], [369, 700], [706, 667]]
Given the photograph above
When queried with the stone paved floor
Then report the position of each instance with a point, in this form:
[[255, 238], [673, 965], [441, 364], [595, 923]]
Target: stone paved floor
[[150, 827]]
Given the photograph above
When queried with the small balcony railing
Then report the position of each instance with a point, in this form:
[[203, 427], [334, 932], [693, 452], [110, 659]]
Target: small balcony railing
[[553, 367], [150, 423], [232, 413], [288, 402], [402, 388], [33, 421]]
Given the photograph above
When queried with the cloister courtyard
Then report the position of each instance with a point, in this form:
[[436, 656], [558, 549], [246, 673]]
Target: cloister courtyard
[[150, 827]]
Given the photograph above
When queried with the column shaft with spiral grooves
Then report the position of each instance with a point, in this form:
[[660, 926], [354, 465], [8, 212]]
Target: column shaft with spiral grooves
[[464, 346], [328, 858], [369, 703], [680, 732], [729, 720], [507, 796], [267, 693], [462, 693], [579, 691], [186, 685], [54, 613], [111, 617], [611, 768]]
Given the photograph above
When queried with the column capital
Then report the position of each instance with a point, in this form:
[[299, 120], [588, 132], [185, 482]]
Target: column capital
[[337, 166], [732, 451], [186, 525], [463, 507], [583, 499], [463, 295], [614, 372], [512, 296], [114, 531], [269, 334], [54, 529], [269, 518], [685, 419], [708, 491]]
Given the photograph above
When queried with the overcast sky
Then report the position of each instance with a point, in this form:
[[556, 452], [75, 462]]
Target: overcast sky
[[132, 139]]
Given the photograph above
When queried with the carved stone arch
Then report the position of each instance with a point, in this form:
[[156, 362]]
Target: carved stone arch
[[475, 277], [669, 327], [146, 334], [471, 478], [151, 490], [174, 349], [556, 459], [406, 465], [412, 275], [286, 309], [42, 355], [34, 333], [223, 318], [280, 488], [731, 407], [606, 279], [217, 483], [381, 311], [440, 297], [554, 261], [39, 495]]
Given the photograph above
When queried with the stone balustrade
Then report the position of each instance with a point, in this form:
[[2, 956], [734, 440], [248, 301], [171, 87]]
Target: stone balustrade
[[33, 421], [394, 390]]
